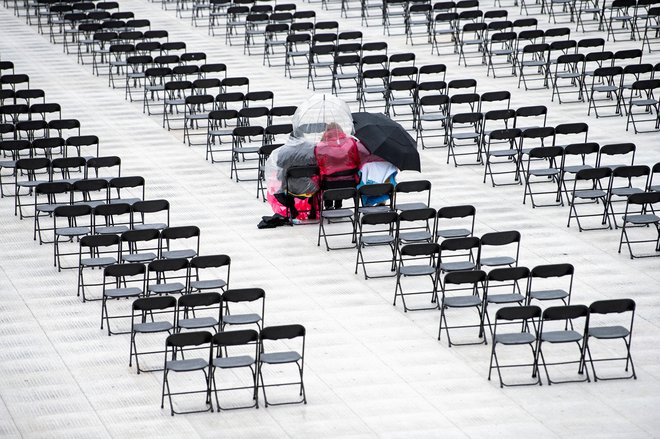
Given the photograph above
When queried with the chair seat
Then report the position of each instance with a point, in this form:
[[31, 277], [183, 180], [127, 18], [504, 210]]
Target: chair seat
[[111, 230], [139, 257], [72, 231], [48, 208], [561, 336], [643, 102], [462, 301], [544, 172], [457, 266], [410, 206], [186, 365], [574, 169], [247, 150], [608, 332], [241, 319], [374, 209], [496, 261], [30, 183], [453, 233], [605, 88], [626, 191], [337, 213], [152, 327], [8, 164], [433, 117], [210, 284], [115, 293], [198, 322], [158, 226], [642, 219], [421, 235], [464, 136], [280, 357], [179, 254], [97, 262], [515, 338], [504, 153], [226, 132], [590, 194], [505, 298], [377, 239], [231, 362], [548, 294], [167, 288], [417, 270]]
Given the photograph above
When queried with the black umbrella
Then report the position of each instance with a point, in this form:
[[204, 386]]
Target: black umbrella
[[387, 139]]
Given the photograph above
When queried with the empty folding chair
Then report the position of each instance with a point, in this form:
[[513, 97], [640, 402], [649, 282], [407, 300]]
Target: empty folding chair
[[400, 100], [504, 286], [28, 174], [199, 311], [567, 76], [347, 216], [642, 95], [417, 260], [233, 350], [651, 28], [417, 195], [552, 158], [432, 119], [269, 356], [620, 19], [455, 222], [500, 51], [602, 328], [96, 252], [605, 81], [243, 302], [616, 154], [115, 218], [625, 181], [590, 187], [376, 230], [187, 343], [209, 272], [246, 141], [507, 249], [164, 276], [157, 210], [528, 317], [655, 173], [121, 281], [47, 197], [638, 218], [465, 131], [551, 282], [551, 333], [140, 246], [461, 290], [534, 57], [150, 315], [507, 154], [69, 223], [186, 239], [221, 124]]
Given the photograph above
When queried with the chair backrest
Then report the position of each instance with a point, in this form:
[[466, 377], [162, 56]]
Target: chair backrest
[[566, 312], [154, 303], [282, 332], [473, 277], [237, 295], [235, 338], [199, 300], [124, 270], [463, 243], [510, 313], [506, 274], [191, 338], [420, 249], [379, 218]]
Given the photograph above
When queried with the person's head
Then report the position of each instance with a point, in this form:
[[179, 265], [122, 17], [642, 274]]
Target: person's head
[[332, 131]]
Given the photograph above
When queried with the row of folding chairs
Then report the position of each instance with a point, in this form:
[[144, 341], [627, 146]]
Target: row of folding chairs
[[592, 327], [215, 364], [155, 276], [16, 128]]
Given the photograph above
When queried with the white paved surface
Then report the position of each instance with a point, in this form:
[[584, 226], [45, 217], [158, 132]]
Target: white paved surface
[[371, 370]]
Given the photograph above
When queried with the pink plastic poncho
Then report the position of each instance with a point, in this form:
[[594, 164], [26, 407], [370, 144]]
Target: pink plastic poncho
[[335, 153]]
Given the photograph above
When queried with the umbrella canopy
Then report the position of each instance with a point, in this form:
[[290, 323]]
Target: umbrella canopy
[[313, 117], [387, 139]]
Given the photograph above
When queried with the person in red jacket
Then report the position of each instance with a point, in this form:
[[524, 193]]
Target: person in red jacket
[[338, 160]]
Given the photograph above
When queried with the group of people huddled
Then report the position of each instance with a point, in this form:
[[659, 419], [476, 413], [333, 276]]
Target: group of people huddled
[[343, 161]]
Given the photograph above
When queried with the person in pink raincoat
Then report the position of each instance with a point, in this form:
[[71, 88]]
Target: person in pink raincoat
[[338, 160]]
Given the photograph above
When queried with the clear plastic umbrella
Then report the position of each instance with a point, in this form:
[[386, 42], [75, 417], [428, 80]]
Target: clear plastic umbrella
[[313, 117]]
